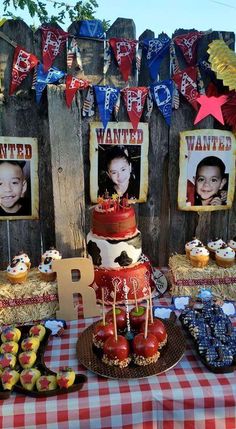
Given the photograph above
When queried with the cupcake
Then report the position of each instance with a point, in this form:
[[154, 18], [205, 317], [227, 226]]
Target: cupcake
[[199, 257], [213, 245], [23, 257], [45, 270], [190, 244], [17, 271], [51, 253], [232, 243], [225, 256]]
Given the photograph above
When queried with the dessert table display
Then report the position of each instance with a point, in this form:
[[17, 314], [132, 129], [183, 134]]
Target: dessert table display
[[187, 395]]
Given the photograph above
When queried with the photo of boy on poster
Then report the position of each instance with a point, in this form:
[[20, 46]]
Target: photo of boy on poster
[[119, 161], [207, 170], [19, 197]]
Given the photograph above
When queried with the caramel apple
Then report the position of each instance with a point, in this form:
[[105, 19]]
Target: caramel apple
[[116, 351], [137, 316], [158, 329], [120, 318], [145, 349], [102, 332]]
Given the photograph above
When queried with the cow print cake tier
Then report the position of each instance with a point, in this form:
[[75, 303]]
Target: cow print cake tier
[[115, 246]]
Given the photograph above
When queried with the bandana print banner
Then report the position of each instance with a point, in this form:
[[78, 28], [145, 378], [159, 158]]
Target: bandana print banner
[[188, 45], [23, 62], [43, 78], [162, 94], [73, 53], [134, 99], [106, 97], [187, 85], [88, 106], [91, 28], [155, 50], [53, 42], [72, 86], [124, 51]]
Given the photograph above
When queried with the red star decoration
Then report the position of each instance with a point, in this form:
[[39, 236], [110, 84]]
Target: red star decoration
[[210, 106], [9, 335], [27, 377], [7, 348], [6, 377], [62, 382], [25, 358], [35, 330], [44, 383], [5, 362], [28, 345]]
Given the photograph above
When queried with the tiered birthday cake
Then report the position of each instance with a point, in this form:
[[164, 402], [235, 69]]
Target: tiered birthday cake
[[115, 246]]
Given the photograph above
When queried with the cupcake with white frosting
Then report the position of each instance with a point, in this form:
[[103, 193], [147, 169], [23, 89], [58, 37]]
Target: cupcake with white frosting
[[213, 245], [232, 243], [23, 257], [225, 256], [45, 270], [17, 271], [190, 244], [199, 256]]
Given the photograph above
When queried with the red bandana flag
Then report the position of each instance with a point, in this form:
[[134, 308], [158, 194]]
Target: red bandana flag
[[53, 41], [72, 86], [23, 62], [188, 45], [186, 82], [134, 99], [124, 51]]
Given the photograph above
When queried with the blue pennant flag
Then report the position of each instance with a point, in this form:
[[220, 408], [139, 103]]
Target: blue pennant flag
[[162, 94], [154, 51], [91, 28], [43, 78], [106, 97]]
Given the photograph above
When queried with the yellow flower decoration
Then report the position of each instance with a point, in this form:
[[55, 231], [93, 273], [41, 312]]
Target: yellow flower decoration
[[223, 62]]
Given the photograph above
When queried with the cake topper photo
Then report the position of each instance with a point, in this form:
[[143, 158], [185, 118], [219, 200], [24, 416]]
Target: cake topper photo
[[18, 178], [207, 170], [119, 161]]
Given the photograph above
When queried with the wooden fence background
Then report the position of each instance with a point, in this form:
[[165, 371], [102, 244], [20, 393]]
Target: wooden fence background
[[63, 140]]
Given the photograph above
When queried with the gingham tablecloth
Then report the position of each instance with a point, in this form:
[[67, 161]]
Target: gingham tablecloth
[[186, 397]]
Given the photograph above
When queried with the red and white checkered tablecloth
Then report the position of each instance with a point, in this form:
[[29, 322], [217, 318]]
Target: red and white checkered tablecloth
[[187, 396]]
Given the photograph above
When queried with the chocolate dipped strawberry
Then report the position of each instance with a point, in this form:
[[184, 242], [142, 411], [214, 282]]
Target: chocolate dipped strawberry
[[158, 329], [116, 351], [120, 318], [145, 349], [102, 331], [137, 316]]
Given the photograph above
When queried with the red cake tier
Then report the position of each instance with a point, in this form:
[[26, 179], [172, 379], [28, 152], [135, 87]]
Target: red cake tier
[[114, 224], [138, 277]]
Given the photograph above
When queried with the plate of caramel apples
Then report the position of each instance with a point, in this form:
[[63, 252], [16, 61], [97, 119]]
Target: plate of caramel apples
[[22, 366], [132, 344]]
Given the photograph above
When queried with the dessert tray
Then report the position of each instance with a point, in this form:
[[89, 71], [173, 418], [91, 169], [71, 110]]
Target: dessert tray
[[80, 379], [170, 355]]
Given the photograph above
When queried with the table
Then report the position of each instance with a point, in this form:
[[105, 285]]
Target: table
[[188, 396]]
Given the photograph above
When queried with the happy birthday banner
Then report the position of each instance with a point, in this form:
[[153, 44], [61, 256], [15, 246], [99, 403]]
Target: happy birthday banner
[[164, 94]]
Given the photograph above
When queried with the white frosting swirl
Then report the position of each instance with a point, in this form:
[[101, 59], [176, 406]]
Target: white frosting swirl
[[232, 243], [213, 245], [20, 267], [45, 268], [199, 251], [51, 253], [193, 243], [23, 258], [225, 253]]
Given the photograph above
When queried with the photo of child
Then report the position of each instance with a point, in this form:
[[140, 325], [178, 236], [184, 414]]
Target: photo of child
[[210, 183], [13, 189]]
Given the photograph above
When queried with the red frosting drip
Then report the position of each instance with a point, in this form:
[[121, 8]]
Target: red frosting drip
[[114, 224]]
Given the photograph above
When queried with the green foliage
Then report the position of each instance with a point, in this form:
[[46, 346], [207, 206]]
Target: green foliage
[[38, 9]]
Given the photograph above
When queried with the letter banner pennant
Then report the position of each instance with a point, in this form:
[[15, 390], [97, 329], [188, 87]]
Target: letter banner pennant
[[162, 94], [106, 98], [53, 42], [124, 51], [23, 62], [72, 86], [91, 28], [188, 45], [134, 99], [43, 78], [154, 51], [186, 82]]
